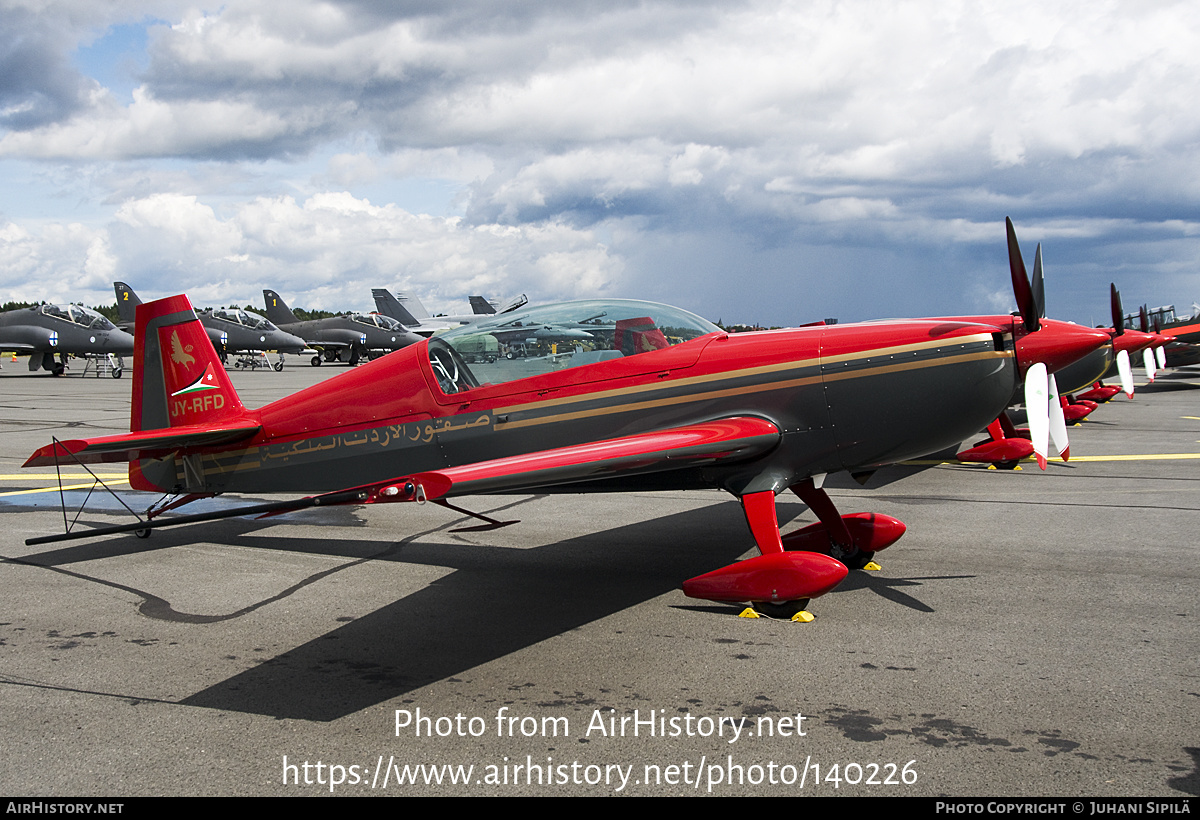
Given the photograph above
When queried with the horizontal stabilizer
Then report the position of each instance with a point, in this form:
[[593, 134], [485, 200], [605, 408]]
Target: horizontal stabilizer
[[141, 444]]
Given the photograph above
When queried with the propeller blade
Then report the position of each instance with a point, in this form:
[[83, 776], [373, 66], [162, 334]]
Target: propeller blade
[[1118, 315], [1145, 320], [1039, 284], [1037, 409], [1161, 354], [1058, 421], [1020, 280], [1126, 371], [1148, 361]]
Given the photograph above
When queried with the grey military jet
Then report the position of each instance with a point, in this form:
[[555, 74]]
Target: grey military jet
[[231, 330], [409, 311], [350, 335], [44, 331]]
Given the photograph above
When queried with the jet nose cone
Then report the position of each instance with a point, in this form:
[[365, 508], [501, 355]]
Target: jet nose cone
[[287, 342], [119, 342], [1058, 344]]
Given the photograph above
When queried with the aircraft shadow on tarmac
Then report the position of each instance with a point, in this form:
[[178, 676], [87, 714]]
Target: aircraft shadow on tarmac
[[496, 601]]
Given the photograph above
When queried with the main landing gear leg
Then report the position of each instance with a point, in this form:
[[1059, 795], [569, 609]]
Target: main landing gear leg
[[777, 582], [852, 539]]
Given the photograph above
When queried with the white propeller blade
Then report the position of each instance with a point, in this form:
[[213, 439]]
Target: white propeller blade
[[1058, 422], [1126, 371], [1037, 409], [1160, 353], [1148, 360]]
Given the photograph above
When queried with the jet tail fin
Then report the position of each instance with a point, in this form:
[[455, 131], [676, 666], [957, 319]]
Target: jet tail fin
[[413, 305], [389, 305], [277, 309], [127, 302], [481, 306]]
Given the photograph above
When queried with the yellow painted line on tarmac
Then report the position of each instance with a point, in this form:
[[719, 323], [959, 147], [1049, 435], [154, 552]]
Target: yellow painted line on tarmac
[[1074, 459], [54, 489], [52, 479], [48, 476], [1142, 457]]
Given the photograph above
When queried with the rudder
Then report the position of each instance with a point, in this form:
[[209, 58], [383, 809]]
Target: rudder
[[178, 381]]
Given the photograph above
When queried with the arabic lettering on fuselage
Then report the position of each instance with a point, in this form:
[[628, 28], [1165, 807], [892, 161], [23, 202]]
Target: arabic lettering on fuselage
[[392, 435]]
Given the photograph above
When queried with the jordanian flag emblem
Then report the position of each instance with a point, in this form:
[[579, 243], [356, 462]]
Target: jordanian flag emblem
[[207, 381]]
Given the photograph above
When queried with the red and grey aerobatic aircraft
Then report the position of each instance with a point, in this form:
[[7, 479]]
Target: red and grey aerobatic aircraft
[[657, 398]]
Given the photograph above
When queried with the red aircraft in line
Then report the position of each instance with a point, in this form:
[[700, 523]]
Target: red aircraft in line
[[658, 399], [1046, 409]]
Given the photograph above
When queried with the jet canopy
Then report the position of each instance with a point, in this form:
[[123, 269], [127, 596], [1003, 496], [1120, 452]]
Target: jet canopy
[[246, 318], [78, 315], [530, 342], [377, 320]]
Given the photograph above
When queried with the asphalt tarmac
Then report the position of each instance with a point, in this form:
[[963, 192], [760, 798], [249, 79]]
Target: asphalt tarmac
[[1033, 634]]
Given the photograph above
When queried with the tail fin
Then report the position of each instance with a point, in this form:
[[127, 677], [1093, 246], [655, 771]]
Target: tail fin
[[481, 306], [389, 306], [127, 302], [413, 305], [178, 381], [277, 309]]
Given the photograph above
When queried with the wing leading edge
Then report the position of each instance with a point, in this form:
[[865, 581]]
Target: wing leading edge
[[694, 445]]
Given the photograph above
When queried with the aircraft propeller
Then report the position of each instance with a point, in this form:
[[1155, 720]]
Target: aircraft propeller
[[1124, 368], [1161, 350], [1047, 422], [1026, 300]]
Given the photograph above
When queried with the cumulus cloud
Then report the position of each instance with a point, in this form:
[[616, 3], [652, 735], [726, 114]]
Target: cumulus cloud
[[328, 250]]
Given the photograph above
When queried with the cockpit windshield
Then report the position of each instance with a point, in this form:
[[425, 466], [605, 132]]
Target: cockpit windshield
[[79, 315], [377, 320], [248, 318], [526, 343]]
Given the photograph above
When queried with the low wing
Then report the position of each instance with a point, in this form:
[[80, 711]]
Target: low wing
[[143, 444], [694, 445]]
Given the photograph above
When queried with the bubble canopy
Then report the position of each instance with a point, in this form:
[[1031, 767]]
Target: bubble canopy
[[529, 342], [79, 315]]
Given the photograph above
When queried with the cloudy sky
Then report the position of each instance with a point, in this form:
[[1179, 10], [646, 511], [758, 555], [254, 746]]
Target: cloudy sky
[[773, 162]]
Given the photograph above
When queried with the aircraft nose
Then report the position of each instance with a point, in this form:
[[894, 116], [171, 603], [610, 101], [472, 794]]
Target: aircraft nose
[[287, 342], [1058, 344], [118, 342], [1131, 341]]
